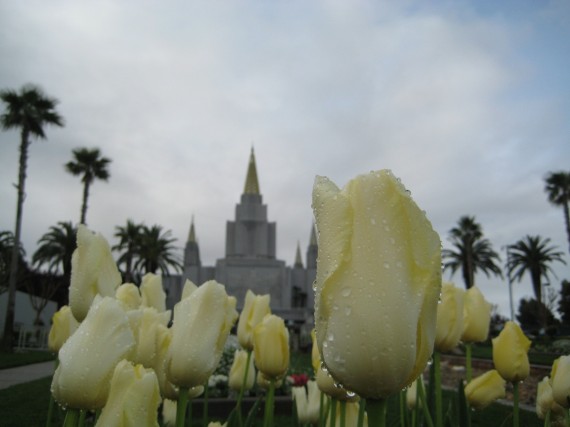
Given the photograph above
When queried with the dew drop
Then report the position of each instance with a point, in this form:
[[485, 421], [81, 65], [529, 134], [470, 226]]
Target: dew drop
[[346, 292]]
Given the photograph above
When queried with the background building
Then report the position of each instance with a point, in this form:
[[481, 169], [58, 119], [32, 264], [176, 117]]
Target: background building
[[250, 261]]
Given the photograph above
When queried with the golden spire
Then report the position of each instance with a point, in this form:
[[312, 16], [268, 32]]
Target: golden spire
[[251, 183], [192, 233], [298, 259]]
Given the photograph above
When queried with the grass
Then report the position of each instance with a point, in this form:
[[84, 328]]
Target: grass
[[11, 360], [26, 405]]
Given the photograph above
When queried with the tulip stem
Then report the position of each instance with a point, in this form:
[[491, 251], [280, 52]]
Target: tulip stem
[[333, 411], [468, 370], [361, 408], [425, 407], [82, 416], [376, 409], [243, 384], [181, 406], [437, 382], [516, 404], [269, 404], [51, 400], [547, 419], [342, 413], [402, 398], [71, 418]]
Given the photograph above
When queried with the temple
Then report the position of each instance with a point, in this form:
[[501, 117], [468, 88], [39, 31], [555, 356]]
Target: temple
[[250, 260]]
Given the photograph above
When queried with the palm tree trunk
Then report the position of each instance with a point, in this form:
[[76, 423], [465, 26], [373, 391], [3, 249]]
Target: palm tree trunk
[[566, 210], [8, 338], [85, 197]]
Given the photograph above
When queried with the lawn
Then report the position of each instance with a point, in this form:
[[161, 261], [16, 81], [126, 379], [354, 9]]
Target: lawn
[[11, 360], [26, 405]]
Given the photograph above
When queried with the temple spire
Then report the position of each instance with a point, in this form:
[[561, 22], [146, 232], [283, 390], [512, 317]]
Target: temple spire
[[251, 183], [298, 259], [192, 233], [313, 240]]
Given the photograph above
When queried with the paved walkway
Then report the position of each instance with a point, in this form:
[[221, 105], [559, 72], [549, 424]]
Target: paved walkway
[[24, 374]]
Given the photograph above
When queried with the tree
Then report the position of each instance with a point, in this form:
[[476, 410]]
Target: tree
[[6, 248], [90, 166], [533, 255], [558, 190], [28, 110], [55, 250], [472, 251], [534, 315], [155, 251], [129, 245], [564, 302]]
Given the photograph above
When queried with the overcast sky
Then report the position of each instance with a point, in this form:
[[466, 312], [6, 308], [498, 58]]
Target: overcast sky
[[467, 102]]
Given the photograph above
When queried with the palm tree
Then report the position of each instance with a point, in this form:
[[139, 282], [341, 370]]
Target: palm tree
[[56, 248], [28, 110], [90, 165], [129, 244], [558, 190], [533, 255], [472, 251], [155, 251], [6, 248]]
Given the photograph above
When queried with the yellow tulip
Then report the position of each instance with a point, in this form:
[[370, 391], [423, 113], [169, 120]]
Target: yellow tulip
[[133, 399], [351, 416], [485, 389], [307, 402], [129, 296], [412, 395], [144, 324], [476, 316], [255, 308], [188, 288], [315, 355], [264, 382], [271, 347], [449, 318], [169, 412], [152, 292], [545, 401], [62, 327], [378, 283], [163, 340], [330, 387], [93, 272], [560, 380], [237, 371], [202, 323], [510, 350], [88, 358]]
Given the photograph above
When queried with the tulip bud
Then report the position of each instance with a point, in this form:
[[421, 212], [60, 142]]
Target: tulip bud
[[476, 316], [412, 395], [188, 288], [63, 326], [560, 379], [307, 402], [449, 318], [263, 382], [271, 347], [89, 356], [93, 272], [133, 399], [237, 371], [510, 350], [486, 388], [202, 323], [330, 387], [169, 412], [153, 294], [129, 296], [255, 308], [315, 355], [378, 283], [351, 415], [144, 324], [163, 340], [545, 401]]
